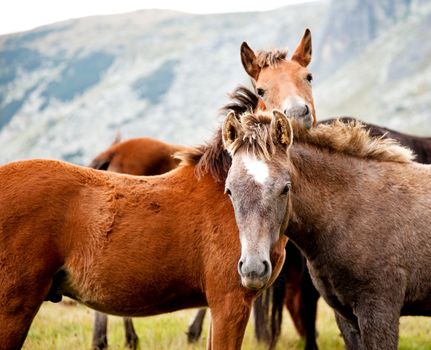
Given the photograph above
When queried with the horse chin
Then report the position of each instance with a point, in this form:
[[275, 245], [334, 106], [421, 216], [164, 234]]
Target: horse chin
[[253, 283]]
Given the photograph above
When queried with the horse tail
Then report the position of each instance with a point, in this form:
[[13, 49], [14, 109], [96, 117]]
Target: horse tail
[[268, 311]]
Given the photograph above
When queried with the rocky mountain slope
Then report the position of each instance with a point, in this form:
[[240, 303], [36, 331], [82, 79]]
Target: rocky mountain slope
[[65, 89]]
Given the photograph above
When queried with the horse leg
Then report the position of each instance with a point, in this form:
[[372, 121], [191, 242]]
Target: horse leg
[[131, 336], [308, 310], [100, 339], [228, 325], [25, 282], [195, 328], [301, 296], [350, 332], [15, 319], [379, 324]]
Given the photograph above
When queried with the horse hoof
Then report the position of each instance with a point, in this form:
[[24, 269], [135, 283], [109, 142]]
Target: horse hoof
[[132, 343], [101, 344], [193, 335]]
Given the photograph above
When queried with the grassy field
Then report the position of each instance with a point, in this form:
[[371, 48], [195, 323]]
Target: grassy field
[[67, 326]]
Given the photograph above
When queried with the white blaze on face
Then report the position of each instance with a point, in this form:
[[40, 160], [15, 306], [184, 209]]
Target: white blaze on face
[[256, 168]]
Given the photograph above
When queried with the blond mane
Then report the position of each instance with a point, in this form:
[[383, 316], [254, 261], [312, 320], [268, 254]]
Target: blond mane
[[353, 139]]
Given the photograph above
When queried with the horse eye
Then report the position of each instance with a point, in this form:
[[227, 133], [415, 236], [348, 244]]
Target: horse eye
[[228, 192], [309, 77], [260, 92], [286, 189]]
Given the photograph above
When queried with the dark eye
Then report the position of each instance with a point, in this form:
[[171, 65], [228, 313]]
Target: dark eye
[[260, 92], [309, 77], [228, 192], [286, 189]]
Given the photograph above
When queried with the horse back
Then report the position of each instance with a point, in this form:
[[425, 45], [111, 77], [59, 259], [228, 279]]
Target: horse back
[[45, 201], [139, 156]]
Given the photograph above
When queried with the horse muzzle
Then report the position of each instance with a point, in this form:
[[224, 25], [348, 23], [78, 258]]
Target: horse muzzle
[[254, 274]]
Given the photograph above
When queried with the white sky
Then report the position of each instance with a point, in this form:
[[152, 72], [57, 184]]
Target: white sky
[[21, 15]]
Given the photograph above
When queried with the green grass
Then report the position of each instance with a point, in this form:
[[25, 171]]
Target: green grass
[[68, 326]]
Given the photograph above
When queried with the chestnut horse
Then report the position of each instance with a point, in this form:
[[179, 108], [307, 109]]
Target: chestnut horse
[[283, 83], [130, 246], [139, 156], [366, 238]]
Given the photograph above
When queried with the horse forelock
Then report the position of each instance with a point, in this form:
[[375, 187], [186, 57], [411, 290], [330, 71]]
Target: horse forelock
[[270, 58], [256, 137]]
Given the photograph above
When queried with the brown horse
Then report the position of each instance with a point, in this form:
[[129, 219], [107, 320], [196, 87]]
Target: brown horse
[[283, 83], [139, 156], [126, 245], [294, 287], [366, 239]]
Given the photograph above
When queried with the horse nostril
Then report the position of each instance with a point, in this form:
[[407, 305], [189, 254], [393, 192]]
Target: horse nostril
[[240, 263], [307, 110], [266, 268]]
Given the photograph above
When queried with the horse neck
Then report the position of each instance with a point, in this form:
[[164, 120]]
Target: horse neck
[[326, 191]]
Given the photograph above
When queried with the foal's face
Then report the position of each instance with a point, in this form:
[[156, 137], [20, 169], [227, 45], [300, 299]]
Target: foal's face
[[287, 84], [259, 190]]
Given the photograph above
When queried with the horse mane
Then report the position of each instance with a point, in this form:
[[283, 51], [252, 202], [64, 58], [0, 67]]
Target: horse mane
[[349, 138], [270, 58], [353, 139], [212, 157], [242, 100]]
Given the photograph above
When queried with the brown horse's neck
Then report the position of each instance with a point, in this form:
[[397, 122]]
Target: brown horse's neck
[[332, 192]]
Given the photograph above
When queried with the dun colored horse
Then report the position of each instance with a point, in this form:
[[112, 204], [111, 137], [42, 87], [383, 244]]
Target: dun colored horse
[[127, 245], [366, 239], [293, 286]]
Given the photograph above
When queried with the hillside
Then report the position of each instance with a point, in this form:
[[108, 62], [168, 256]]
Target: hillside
[[65, 89]]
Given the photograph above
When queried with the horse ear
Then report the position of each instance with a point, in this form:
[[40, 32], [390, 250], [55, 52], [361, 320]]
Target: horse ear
[[118, 138], [231, 129], [302, 54], [281, 129], [249, 62]]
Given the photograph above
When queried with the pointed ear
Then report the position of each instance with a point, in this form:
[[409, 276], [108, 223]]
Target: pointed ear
[[117, 138], [231, 130], [249, 62], [302, 54], [281, 129]]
